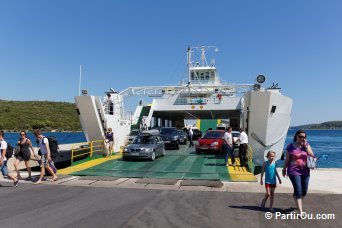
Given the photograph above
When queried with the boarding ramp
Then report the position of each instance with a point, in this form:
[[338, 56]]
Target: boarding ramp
[[137, 114], [145, 110], [92, 117]]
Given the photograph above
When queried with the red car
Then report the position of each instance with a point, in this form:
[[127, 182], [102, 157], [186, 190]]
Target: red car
[[211, 141]]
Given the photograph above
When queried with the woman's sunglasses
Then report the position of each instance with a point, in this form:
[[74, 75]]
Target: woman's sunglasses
[[302, 137]]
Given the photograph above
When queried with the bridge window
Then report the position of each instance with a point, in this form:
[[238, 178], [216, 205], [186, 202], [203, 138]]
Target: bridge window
[[192, 76], [207, 75], [202, 75]]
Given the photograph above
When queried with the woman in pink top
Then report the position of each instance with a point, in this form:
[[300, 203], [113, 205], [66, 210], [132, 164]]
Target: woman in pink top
[[295, 166]]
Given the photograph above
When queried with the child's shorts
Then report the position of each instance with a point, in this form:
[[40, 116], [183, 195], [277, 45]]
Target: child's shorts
[[270, 185]]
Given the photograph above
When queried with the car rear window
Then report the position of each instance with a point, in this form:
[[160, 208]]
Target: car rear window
[[134, 133], [168, 131], [213, 135]]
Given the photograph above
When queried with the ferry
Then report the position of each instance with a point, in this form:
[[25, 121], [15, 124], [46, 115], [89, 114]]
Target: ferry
[[264, 112]]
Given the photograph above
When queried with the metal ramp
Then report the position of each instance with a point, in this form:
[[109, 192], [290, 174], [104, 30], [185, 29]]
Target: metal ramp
[[92, 117]]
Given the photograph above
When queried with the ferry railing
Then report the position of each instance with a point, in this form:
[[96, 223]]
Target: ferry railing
[[86, 149], [96, 146]]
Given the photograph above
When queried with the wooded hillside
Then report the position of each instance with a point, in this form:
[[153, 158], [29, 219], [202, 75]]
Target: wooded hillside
[[46, 115], [325, 125]]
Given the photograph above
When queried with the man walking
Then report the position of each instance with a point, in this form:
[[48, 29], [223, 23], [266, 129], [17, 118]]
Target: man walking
[[243, 147], [3, 160], [228, 146], [191, 134], [43, 144]]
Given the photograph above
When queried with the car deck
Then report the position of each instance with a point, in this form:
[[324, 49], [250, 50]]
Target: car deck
[[177, 164]]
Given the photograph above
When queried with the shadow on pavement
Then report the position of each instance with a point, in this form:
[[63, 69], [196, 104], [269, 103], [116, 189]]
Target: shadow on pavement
[[263, 209]]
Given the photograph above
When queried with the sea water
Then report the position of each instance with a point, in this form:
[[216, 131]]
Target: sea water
[[326, 144], [62, 137]]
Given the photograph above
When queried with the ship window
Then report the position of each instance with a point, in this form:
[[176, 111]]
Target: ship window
[[192, 76], [196, 76], [202, 76], [207, 75]]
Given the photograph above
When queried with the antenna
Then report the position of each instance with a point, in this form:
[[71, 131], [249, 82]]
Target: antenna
[[188, 56], [79, 83]]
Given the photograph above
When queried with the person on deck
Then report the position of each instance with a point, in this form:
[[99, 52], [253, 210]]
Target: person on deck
[[191, 134], [109, 141], [243, 139], [228, 146], [109, 104]]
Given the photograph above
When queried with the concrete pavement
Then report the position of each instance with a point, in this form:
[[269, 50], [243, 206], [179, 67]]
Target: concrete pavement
[[75, 201], [78, 206]]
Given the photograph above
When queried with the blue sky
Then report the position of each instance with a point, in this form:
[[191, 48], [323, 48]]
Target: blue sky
[[297, 44]]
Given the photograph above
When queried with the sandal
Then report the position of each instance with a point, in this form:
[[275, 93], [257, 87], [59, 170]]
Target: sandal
[[54, 179]]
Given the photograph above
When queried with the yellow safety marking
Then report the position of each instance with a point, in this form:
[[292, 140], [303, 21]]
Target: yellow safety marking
[[88, 164], [239, 173], [198, 124]]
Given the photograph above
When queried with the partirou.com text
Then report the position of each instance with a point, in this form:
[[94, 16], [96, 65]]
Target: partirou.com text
[[295, 215]]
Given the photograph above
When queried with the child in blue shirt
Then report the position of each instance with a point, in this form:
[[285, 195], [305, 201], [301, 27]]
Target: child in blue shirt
[[269, 167]]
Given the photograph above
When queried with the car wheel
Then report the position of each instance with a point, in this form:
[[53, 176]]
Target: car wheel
[[153, 156], [177, 147], [198, 151]]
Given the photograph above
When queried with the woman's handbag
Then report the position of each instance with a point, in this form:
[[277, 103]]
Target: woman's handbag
[[311, 162], [17, 151]]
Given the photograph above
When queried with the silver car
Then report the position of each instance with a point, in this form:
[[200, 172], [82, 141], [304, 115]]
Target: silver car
[[146, 145]]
